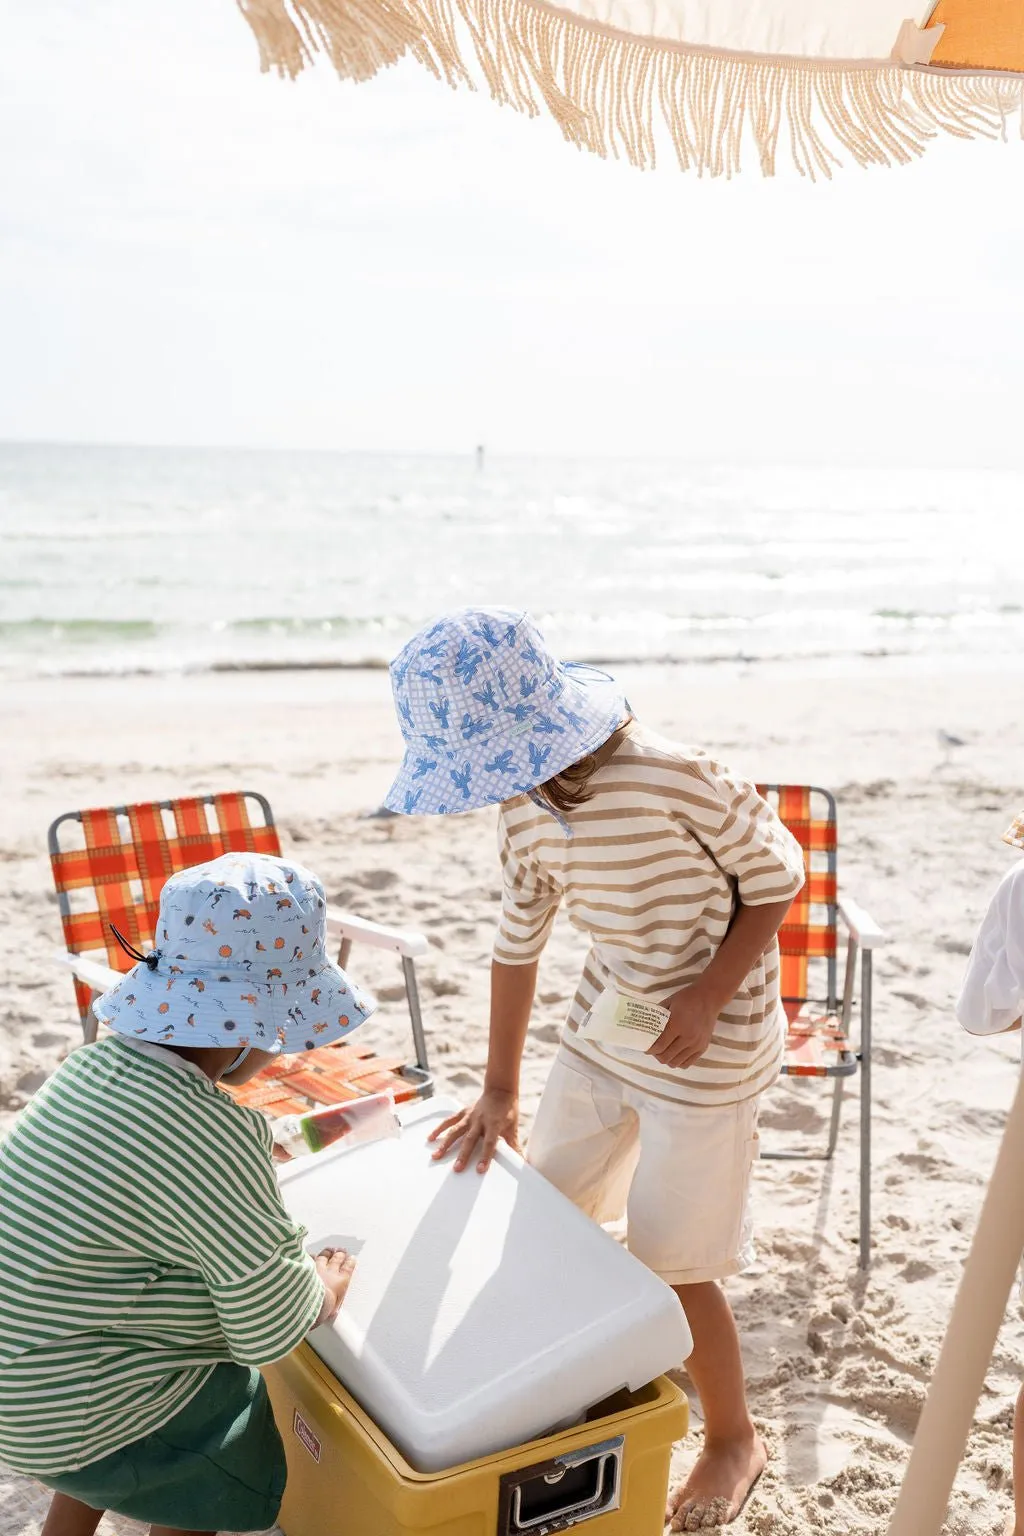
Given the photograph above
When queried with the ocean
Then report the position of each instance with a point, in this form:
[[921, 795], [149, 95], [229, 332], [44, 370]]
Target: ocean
[[156, 560]]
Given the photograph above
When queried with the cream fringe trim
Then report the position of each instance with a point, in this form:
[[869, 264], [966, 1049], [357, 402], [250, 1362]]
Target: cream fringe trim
[[607, 90]]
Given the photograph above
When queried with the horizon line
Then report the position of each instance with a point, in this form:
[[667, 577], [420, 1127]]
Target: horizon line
[[472, 451]]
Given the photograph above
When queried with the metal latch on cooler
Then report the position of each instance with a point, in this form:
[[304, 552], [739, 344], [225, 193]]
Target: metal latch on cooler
[[561, 1493]]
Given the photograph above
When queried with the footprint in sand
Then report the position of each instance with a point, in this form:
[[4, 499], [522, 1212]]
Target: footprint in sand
[[954, 946], [914, 999], [917, 1269], [377, 879], [390, 994], [464, 1079], [550, 1034], [443, 986]]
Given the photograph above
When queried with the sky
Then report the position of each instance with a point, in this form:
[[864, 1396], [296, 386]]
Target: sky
[[194, 253]]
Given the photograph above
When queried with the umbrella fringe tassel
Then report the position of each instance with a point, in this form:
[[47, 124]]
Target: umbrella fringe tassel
[[615, 94]]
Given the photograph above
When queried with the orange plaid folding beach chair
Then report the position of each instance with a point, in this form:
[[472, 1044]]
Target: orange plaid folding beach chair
[[109, 867], [820, 1026]]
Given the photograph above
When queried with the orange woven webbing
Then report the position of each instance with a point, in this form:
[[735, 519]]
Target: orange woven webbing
[[329, 1075], [814, 1046], [809, 931]]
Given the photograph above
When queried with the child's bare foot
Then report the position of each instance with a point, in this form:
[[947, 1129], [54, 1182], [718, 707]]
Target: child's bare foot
[[718, 1486]]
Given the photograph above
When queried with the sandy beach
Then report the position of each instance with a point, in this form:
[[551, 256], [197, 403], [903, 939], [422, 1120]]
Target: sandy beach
[[837, 1362]]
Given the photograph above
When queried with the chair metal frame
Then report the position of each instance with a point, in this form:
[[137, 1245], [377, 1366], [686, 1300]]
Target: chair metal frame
[[93, 975], [863, 937]]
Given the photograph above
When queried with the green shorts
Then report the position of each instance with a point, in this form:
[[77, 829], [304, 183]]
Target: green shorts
[[218, 1465]]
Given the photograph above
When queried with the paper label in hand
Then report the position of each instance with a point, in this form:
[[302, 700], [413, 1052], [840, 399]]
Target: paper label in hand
[[617, 1019]]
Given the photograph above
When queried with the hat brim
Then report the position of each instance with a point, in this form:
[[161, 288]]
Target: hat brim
[[1014, 834], [524, 746], [174, 1005]]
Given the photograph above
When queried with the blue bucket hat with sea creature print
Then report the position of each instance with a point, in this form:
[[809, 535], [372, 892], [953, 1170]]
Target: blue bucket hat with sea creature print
[[487, 712], [239, 958]]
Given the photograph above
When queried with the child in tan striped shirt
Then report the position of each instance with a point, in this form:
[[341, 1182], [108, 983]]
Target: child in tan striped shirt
[[680, 874]]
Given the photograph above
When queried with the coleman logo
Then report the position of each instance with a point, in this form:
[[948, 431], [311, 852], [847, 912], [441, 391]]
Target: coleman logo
[[306, 1435]]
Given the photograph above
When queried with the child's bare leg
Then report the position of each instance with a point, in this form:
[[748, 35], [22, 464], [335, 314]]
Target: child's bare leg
[[70, 1517], [734, 1455], [1016, 1525]]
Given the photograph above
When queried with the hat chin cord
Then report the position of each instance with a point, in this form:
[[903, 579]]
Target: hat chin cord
[[243, 1053]]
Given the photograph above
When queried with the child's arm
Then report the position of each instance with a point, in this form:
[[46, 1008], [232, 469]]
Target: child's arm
[[495, 1115], [695, 1009], [268, 1291]]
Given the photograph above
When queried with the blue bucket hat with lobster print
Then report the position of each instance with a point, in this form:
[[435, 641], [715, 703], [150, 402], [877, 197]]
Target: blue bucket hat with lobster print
[[487, 712], [239, 958]]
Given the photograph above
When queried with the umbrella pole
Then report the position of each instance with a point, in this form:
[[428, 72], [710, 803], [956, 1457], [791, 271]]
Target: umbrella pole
[[963, 1361]]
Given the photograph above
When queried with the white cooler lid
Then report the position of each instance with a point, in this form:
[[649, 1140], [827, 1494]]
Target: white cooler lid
[[484, 1311]]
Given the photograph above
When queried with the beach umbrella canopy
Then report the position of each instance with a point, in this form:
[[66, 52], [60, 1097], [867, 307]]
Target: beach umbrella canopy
[[822, 81]]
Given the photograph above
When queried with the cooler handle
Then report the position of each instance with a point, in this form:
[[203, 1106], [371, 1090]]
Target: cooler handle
[[529, 1504]]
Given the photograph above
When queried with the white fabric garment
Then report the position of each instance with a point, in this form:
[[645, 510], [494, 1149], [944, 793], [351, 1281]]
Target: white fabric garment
[[992, 997]]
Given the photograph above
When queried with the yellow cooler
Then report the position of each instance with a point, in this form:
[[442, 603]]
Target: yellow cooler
[[346, 1478], [497, 1367]]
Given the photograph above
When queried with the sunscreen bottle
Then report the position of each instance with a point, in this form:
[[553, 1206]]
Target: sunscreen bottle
[[618, 1019], [356, 1121]]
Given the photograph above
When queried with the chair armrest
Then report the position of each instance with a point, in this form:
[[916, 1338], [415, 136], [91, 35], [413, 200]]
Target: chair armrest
[[345, 925], [862, 926], [93, 972]]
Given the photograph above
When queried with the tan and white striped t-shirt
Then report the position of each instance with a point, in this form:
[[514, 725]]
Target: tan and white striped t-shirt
[[658, 859]]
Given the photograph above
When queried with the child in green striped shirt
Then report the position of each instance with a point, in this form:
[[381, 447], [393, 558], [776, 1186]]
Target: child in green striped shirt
[[147, 1264]]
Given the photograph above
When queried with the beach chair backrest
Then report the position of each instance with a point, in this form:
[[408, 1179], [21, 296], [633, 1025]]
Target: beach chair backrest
[[110, 865], [810, 930]]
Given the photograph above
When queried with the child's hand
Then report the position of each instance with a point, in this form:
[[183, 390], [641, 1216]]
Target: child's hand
[[335, 1268], [493, 1118], [692, 1018]]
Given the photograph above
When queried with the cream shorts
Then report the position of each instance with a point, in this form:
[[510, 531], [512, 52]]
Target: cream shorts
[[679, 1174]]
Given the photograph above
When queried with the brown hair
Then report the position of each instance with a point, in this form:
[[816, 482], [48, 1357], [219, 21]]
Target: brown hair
[[571, 787]]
